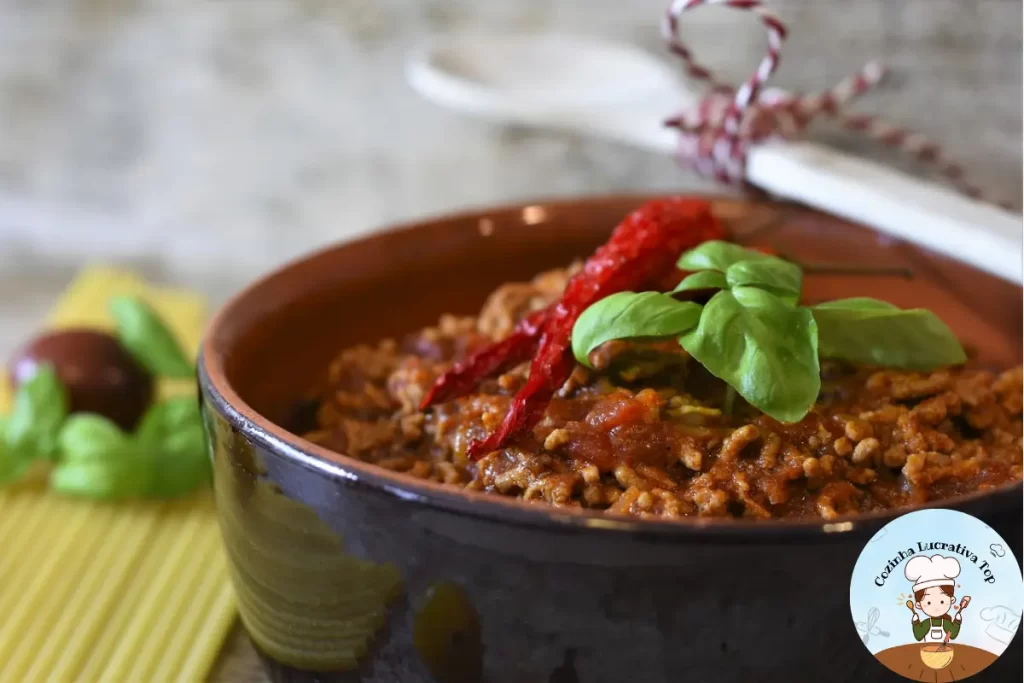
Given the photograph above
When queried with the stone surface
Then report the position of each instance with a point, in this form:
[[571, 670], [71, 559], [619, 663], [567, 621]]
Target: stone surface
[[206, 141], [228, 136]]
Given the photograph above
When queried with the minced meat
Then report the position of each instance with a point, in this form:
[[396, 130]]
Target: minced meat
[[644, 432]]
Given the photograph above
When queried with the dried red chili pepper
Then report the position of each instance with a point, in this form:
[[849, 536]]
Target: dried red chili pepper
[[643, 248], [487, 361]]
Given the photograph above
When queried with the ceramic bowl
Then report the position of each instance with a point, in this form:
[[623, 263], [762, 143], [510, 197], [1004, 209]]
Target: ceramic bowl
[[936, 656], [349, 572]]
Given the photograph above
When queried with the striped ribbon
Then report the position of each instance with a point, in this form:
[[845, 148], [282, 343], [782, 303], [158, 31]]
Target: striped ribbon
[[716, 134]]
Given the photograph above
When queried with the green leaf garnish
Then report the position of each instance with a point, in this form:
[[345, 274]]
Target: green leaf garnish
[[166, 456], [873, 332], [12, 468], [718, 255], [184, 464], [629, 315], [762, 347], [754, 336], [172, 432], [705, 279], [167, 417], [772, 274], [87, 437], [140, 330], [40, 406], [12, 465], [99, 461], [126, 476]]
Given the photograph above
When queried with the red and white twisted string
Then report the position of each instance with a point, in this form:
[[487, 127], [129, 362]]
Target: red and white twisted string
[[716, 134]]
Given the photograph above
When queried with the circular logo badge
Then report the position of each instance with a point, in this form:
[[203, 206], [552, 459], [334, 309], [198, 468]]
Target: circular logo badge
[[937, 595]]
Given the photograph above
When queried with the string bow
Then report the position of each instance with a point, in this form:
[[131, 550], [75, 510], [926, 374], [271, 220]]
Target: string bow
[[716, 134]]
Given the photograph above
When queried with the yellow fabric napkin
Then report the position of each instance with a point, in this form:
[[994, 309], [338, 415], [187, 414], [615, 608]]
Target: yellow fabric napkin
[[111, 592]]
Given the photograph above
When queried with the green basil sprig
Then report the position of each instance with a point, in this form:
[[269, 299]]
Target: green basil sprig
[[40, 406], [705, 279], [166, 456], [29, 433], [751, 338], [13, 464], [754, 336], [173, 432], [94, 458], [99, 461], [144, 334], [718, 256]]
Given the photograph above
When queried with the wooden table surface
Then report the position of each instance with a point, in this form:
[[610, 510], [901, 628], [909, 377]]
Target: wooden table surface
[[238, 662]]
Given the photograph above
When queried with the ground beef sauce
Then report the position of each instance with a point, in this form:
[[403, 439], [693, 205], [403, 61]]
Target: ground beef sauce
[[644, 433]]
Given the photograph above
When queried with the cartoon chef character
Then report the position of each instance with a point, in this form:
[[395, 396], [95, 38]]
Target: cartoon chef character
[[934, 578]]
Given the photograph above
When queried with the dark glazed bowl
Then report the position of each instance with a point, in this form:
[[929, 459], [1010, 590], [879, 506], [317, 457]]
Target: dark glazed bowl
[[352, 573]]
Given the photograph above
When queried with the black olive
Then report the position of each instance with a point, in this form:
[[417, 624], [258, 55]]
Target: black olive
[[98, 373]]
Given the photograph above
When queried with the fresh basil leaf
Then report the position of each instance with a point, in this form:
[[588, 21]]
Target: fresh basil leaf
[[189, 443], [40, 406], [857, 303], [705, 279], [777, 276], [166, 418], [183, 465], [719, 255], [151, 343], [172, 434], [12, 469], [87, 437], [13, 465], [628, 315], [762, 347], [166, 456], [170, 481], [872, 332], [126, 477]]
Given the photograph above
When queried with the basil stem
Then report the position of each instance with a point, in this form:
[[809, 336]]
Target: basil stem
[[729, 403]]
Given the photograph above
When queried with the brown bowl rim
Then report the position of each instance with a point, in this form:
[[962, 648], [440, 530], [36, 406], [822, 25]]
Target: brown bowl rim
[[488, 506]]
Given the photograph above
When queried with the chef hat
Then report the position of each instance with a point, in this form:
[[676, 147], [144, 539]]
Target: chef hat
[[936, 570]]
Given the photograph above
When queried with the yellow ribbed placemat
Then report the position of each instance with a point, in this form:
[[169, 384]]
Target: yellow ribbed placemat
[[105, 593]]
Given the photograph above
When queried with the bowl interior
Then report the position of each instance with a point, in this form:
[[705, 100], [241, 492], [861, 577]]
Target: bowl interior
[[271, 343]]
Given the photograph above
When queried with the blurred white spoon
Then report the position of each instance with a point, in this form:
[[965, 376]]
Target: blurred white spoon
[[618, 92]]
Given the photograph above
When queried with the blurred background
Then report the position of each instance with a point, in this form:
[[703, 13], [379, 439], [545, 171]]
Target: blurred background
[[206, 141]]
